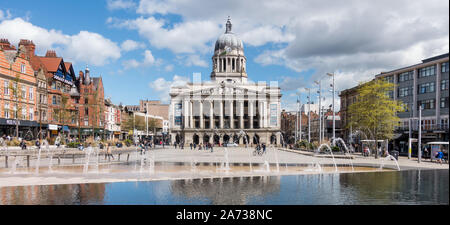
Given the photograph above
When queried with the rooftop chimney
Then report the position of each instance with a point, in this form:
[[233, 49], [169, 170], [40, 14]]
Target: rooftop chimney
[[29, 45], [50, 53], [5, 45]]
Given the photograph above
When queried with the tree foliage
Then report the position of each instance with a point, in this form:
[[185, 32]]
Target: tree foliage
[[374, 112]]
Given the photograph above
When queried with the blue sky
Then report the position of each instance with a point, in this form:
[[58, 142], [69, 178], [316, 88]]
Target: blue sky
[[292, 42]]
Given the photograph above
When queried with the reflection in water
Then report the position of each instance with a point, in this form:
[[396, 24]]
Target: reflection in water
[[65, 194], [232, 191], [404, 187]]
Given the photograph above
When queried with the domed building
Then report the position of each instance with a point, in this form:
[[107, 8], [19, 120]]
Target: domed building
[[229, 108]]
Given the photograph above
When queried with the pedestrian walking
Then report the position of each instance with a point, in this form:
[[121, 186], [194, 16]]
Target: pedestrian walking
[[109, 152]]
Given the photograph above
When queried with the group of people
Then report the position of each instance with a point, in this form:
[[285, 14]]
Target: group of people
[[202, 146], [260, 148]]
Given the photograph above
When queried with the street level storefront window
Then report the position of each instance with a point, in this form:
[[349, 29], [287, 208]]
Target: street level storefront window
[[426, 104], [444, 67], [444, 102], [426, 88], [444, 85], [427, 71], [405, 76]]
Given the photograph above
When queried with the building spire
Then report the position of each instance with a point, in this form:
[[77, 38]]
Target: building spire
[[228, 26]]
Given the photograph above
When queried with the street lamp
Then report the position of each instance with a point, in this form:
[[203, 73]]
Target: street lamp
[[320, 117], [309, 113], [420, 135], [334, 123]]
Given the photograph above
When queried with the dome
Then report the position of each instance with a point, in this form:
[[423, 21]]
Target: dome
[[228, 39]]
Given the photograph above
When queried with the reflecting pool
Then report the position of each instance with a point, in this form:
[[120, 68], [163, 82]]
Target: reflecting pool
[[425, 187]]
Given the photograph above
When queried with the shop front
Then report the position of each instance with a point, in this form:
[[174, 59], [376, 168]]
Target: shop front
[[27, 129]]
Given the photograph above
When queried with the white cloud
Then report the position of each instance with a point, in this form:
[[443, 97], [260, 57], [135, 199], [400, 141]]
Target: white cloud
[[148, 60], [195, 60], [162, 86], [86, 47], [168, 68], [92, 48], [130, 45], [5, 15], [188, 37], [120, 4]]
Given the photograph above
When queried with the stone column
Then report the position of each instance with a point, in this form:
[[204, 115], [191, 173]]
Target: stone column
[[221, 114], [250, 113], [191, 116], [201, 115], [241, 116], [211, 115], [231, 115], [261, 114], [266, 116], [186, 113]]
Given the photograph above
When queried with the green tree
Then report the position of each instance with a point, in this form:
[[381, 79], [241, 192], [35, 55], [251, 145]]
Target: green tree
[[16, 96], [374, 112]]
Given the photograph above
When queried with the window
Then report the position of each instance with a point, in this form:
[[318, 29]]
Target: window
[[391, 94], [22, 68], [444, 85], [31, 113], [427, 71], [54, 100], [58, 86], [444, 67], [426, 88], [405, 91], [389, 79], [405, 76], [54, 85], [30, 94], [24, 113], [444, 102], [24, 92], [426, 104], [6, 88], [6, 110], [86, 111]]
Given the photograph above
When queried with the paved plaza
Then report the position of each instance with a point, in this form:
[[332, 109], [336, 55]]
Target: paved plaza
[[190, 164]]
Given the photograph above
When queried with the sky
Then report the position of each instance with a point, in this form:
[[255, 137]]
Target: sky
[[141, 48]]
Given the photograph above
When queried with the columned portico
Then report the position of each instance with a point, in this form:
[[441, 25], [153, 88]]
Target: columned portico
[[237, 109]]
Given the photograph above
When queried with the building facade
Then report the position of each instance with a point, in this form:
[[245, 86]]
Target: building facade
[[228, 108], [423, 85], [18, 92]]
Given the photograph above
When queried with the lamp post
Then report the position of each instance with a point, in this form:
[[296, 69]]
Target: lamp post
[[309, 113], [320, 115], [299, 102], [410, 134], [420, 135], [334, 123]]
